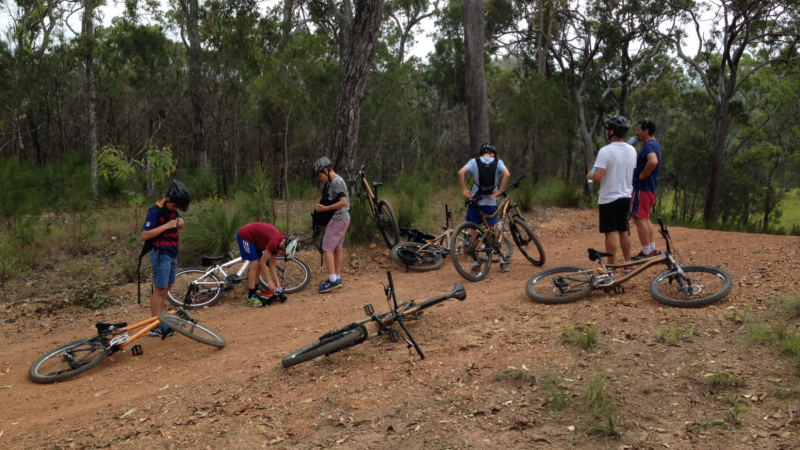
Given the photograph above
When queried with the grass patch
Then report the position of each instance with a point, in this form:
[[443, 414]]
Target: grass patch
[[582, 337], [553, 386], [515, 374], [674, 334], [722, 380], [598, 403]]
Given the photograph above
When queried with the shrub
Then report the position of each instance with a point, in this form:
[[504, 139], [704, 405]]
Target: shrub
[[254, 201], [210, 230], [362, 225], [555, 192]]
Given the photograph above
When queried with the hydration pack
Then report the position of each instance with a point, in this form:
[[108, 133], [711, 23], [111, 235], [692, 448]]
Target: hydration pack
[[485, 179]]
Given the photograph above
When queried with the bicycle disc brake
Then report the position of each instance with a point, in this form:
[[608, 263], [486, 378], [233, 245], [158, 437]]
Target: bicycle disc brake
[[691, 289]]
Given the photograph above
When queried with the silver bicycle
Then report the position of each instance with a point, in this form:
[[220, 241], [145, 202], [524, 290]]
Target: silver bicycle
[[204, 285]]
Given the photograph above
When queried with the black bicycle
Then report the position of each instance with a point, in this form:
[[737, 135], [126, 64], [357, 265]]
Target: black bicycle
[[356, 332]]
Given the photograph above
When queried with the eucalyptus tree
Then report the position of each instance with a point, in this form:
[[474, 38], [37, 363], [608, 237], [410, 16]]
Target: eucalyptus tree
[[724, 32], [405, 16], [475, 84]]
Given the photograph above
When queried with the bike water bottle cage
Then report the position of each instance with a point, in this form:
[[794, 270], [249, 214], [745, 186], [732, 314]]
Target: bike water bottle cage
[[487, 173]]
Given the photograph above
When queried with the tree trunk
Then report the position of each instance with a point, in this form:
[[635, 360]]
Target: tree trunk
[[195, 69], [91, 90], [721, 121], [357, 43], [477, 99], [286, 229]]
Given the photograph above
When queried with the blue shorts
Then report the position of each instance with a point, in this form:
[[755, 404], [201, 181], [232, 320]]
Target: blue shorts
[[248, 250], [475, 217], [164, 268]]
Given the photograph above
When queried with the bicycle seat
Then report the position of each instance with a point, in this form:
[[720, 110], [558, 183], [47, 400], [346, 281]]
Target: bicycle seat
[[376, 184], [211, 260], [596, 255], [109, 328]]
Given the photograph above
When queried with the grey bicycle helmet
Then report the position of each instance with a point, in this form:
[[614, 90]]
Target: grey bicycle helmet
[[290, 247], [487, 148], [618, 124], [178, 193], [320, 164]]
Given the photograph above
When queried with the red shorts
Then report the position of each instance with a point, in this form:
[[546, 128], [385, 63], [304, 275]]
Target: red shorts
[[641, 204]]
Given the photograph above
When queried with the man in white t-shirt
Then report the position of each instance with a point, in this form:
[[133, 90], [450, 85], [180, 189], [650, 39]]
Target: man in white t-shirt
[[613, 169]]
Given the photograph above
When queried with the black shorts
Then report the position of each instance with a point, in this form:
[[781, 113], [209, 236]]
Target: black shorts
[[614, 216]]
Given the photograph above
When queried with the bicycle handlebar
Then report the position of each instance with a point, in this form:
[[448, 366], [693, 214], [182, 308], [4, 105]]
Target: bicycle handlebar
[[511, 186]]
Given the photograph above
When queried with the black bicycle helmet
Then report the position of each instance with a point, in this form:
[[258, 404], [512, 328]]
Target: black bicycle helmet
[[179, 194], [487, 148], [618, 124], [320, 164]]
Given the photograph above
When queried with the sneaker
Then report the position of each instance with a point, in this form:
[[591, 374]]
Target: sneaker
[[643, 255], [266, 293], [162, 331], [258, 300], [476, 268], [329, 285], [505, 267]]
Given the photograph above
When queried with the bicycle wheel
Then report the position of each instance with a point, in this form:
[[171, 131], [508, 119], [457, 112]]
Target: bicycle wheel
[[342, 341], [387, 223], [527, 242], [293, 274], [697, 286], [412, 256], [559, 285], [68, 361], [208, 288], [472, 260], [192, 329]]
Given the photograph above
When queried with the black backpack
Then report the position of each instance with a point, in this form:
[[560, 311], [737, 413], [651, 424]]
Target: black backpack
[[486, 176]]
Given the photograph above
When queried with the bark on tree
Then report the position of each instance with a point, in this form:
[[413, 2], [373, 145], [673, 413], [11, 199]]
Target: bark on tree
[[358, 38], [194, 81], [91, 90], [477, 98]]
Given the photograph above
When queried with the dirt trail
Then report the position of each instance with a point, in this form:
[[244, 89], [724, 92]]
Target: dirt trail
[[378, 395]]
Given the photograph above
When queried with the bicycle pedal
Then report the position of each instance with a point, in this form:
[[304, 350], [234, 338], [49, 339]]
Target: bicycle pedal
[[136, 350], [393, 336], [369, 309]]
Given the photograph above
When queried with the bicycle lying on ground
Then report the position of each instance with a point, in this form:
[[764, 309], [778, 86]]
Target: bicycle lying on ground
[[381, 211], [77, 357], [426, 252], [204, 285], [356, 332], [688, 286], [489, 239]]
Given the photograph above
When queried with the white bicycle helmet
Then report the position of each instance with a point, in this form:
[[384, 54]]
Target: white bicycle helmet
[[290, 247]]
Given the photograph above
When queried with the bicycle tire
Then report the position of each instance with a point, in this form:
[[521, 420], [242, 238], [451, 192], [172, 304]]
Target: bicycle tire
[[345, 340], [423, 260], [204, 296], [465, 254], [673, 294], [523, 236], [293, 274], [192, 330], [542, 286], [387, 223], [93, 348]]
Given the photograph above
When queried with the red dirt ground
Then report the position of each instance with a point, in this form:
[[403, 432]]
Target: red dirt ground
[[482, 385]]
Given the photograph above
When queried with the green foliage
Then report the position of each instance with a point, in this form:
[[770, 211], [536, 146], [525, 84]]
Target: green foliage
[[201, 184], [210, 230], [515, 374], [722, 380], [92, 295], [553, 386], [415, 193], [734, 412], [738, 317], [8, 263], [558, 193], [525, 195], [254, 201], [674, 334], [362, 224]]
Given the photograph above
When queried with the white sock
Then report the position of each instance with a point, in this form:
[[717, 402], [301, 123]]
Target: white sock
[[338, 277], [652, 247], [332, 278], [502, 260]]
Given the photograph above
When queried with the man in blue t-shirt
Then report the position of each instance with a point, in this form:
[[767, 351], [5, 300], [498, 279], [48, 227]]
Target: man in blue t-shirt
[[645, 185], [487, 196], [162, 224]]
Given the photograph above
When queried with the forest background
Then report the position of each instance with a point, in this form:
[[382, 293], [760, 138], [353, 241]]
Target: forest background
[[237, 98]]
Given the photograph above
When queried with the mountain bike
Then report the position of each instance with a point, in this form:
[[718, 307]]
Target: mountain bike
[[472, 256], [356, 332], [425, 252], [77, 357], [681, 286], [381, 211], [205, 284]]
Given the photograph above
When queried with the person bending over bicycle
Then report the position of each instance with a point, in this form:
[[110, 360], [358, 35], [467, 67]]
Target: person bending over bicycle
[[262, 242], [485, 170], [161, 227], [336, 202]]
